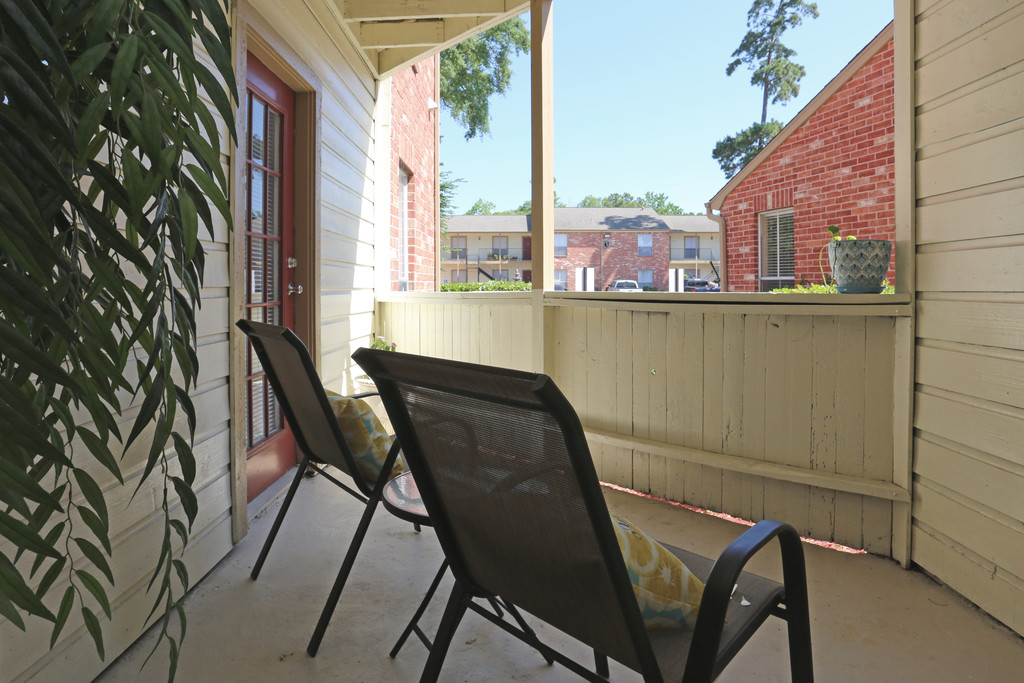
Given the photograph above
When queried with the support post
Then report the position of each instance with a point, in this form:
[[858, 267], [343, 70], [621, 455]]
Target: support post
[[542, 145]]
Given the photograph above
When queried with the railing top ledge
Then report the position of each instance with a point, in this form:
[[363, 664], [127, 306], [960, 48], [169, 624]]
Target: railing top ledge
[[875, 305]]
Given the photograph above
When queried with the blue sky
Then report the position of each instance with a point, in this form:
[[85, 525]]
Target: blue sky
[[641, 98]]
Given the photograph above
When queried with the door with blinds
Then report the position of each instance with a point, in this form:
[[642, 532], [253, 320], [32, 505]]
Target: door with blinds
[[269, 264]]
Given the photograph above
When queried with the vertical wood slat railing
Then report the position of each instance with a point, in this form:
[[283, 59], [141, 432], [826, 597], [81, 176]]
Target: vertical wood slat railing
[[750, 408]]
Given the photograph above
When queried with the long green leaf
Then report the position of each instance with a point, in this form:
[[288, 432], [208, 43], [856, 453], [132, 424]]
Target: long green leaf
[[124, 67], [9, 612], [186, 458], [19, 480], [100, 530], [63, 612], [189, 503], [93, 625], [93, 554], [91, 584], [50, 576], [99, 450], [93, 495], [18, 592], [147, 411], [24, 536]]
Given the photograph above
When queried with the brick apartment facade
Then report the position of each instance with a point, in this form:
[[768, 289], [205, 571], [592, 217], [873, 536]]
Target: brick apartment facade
[[593, 248], [414, 207], [620, 260], [832, 165]]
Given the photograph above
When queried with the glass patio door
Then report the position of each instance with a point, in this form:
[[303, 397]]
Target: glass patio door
[[269, 266]]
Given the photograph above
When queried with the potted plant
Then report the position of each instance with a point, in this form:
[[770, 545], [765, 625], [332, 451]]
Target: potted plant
[[858, 266]]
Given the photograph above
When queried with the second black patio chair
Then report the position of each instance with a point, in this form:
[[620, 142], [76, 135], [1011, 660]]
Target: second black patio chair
[[318, 437], [510, 486]]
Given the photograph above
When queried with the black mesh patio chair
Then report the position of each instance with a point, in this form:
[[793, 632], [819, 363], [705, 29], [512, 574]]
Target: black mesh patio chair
[[318, 437], [511, 489]]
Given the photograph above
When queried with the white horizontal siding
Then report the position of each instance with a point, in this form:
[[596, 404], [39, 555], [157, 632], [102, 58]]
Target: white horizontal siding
[[968, 519]]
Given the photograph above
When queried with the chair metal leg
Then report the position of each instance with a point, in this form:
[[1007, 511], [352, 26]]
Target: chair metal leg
[[601, 665], [280, 517], [511, 609], [346, 569], [453, 614], [797, 615], [414, 622]]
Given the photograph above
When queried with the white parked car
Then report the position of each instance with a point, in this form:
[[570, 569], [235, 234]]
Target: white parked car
[[625, 286]]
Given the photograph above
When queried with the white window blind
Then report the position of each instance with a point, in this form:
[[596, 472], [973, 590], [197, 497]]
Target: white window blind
[[777, 249]]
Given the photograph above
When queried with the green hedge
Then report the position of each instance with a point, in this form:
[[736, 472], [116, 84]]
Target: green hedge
[[822, 289], [489, 286]]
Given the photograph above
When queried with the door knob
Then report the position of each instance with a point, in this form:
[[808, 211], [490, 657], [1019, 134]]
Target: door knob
[[293, 289]]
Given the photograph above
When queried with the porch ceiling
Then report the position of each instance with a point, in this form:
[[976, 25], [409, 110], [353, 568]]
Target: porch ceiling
[[394, 34]]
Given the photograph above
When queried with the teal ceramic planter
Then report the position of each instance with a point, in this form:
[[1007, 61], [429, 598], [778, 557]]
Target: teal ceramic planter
[[859, 266]]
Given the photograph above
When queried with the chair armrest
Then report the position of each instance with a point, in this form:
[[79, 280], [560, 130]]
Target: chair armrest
[[719, 588], [364, 394]]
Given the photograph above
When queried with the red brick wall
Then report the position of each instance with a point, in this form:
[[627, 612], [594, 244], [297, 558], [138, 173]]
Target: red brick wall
[[413, 148], [837, 169], [621, 260]]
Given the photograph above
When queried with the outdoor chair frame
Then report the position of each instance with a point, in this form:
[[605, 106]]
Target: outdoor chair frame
[[519, 512], [318, 437]]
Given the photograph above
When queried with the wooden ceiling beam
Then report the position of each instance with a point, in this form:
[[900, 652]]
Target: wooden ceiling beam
[[377, 10], [389, 60], [393, 34]]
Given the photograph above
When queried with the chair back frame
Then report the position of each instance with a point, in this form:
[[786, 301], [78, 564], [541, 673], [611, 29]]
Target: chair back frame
[[547, 397], [271, 343]]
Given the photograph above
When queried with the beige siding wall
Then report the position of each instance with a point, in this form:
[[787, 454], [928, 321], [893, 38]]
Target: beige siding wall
[[760, 411], [494, 328], [969, 416], [315, 47]]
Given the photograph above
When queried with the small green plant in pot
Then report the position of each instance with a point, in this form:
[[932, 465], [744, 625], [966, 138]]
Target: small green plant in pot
[[858, 266]]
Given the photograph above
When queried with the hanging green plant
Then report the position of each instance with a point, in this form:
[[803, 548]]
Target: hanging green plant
[[109, 163]]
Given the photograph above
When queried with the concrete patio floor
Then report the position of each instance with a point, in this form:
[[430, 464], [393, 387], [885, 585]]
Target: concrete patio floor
[[870, 619]]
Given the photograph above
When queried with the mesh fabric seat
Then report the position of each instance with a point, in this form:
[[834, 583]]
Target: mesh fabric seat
[[293, 377], [506, 475]]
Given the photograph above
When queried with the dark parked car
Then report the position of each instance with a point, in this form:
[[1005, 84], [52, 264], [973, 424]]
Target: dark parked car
[[700, 285]]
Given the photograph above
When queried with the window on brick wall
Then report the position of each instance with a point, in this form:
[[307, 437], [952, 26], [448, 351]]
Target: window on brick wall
[[561, 279], [561, 244], [458, 249], [403, 230], [645, 277], [645, 245], [776, 250]]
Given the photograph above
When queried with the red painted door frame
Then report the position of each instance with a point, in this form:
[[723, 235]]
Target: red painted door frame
[[269, 249]]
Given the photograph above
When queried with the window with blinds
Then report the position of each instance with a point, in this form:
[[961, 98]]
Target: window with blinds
[[777, 250]]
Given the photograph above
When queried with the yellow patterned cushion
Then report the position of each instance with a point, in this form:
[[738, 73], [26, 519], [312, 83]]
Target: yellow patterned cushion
[[364, 434], [667, 592]]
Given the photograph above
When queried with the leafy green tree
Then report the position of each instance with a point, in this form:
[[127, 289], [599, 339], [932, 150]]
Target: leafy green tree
[[482, 207], [733, 152], [477, 68], [448, 187], [778, 77], [109, 164], [659, 202]]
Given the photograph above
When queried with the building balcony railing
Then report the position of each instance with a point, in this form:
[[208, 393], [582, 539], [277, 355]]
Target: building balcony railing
[[481, 255], [692, 254]]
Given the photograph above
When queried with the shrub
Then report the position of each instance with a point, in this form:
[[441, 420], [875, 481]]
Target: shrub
[[822, 289], [489, 286]]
